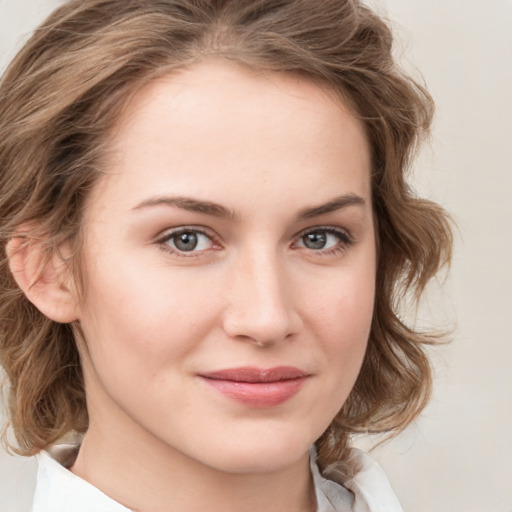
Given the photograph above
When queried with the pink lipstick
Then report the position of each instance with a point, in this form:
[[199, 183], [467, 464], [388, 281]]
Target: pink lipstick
[[256, 387]]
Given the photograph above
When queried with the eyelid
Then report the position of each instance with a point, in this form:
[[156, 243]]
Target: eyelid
[[345, 236], [346, 239], [167, 234], [341, 232]]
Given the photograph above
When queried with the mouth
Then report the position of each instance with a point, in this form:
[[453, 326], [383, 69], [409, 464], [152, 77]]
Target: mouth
[[256, 387]]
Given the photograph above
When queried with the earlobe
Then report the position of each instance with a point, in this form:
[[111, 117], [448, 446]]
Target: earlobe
[[43, 279]]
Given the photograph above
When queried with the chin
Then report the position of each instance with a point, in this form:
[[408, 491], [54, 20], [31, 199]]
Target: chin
[[266, 456]]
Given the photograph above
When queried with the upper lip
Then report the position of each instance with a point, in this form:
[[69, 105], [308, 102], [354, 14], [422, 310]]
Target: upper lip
[[253, 375]]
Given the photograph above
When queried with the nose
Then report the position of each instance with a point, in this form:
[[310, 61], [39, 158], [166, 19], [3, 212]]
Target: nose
[[260, 306]]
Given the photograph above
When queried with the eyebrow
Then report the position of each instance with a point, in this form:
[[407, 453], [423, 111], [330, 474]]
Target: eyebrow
[[189, 204], [217, 210], [331, 206]]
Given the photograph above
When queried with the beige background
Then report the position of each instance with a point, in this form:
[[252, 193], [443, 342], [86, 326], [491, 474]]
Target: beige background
[[458, 455]]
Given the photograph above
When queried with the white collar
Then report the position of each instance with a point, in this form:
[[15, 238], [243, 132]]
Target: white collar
[[59, 490], [367, 490]]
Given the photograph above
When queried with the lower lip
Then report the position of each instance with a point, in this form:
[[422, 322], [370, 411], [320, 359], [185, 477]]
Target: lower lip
[[258, 394]]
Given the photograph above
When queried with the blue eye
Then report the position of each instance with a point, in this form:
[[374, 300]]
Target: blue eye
[[321, 239], [187, 240]]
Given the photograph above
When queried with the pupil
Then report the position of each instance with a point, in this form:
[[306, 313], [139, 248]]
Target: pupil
[[315, 240], [186, 241]]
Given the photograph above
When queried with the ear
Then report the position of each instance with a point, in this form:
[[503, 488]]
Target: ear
[[44, 280]]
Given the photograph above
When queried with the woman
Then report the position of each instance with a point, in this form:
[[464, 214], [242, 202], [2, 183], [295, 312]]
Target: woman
[[207, 238]]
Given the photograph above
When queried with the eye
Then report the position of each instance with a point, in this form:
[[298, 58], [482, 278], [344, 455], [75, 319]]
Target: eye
[[186, 240], [324, 239]]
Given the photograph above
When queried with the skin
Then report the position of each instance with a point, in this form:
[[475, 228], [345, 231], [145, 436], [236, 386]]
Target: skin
[[265, 148]]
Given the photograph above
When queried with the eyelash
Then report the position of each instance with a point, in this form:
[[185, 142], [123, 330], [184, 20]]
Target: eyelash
[[169, 235], [345, 241]]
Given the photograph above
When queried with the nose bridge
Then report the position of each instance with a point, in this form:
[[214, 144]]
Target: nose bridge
[[260, 300]]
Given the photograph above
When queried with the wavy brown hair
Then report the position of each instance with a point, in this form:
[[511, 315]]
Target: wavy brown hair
[[60, 99]]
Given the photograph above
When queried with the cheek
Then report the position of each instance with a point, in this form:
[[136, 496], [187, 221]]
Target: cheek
[[341, 318], [139, 320], [141, 329], [343, 300], [346, 333]]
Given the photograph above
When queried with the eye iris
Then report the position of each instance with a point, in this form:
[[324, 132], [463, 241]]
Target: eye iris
[[186, 241], [315, 240]]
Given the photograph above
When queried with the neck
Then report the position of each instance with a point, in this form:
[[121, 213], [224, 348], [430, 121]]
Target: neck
[[145, 475]]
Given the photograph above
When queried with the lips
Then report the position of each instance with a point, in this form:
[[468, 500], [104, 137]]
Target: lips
[[256, 387]]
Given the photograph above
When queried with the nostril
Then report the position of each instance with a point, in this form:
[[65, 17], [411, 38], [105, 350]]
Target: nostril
[[262, 331], [264, 344]]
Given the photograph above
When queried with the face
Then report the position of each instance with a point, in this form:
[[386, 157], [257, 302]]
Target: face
[[230, 267]]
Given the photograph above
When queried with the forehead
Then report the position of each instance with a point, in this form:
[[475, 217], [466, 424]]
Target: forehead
[[219, 83], [223, 123]]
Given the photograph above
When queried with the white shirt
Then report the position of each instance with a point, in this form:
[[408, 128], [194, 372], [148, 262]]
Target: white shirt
[[59, 490]]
